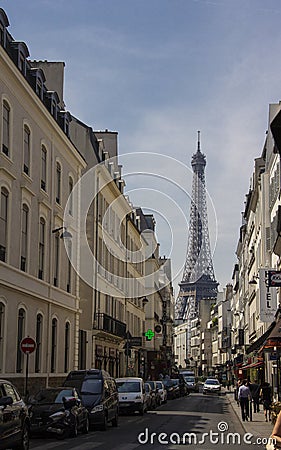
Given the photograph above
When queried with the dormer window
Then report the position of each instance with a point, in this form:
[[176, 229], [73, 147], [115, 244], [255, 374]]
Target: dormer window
[[65, 118], [20, 54], [54, 109], [4, 23], [2, 35], [52, 101], [37, 80], [39, 87], [22, 63]]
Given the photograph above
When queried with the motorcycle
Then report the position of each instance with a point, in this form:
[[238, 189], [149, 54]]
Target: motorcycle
[[64, 422]]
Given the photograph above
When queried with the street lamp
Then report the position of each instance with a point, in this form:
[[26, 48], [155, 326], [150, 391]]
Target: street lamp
[[65, 234]]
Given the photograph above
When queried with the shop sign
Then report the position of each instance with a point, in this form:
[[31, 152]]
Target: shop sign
[[267, 298]]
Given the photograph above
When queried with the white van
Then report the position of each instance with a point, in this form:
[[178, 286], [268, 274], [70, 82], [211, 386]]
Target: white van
[[131, 394]]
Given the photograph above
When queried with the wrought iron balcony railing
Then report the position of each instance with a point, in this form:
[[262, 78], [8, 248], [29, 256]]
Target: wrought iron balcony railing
[[106, 323]]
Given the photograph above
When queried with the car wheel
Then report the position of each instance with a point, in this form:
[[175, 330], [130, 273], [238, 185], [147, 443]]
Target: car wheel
[[86, 425], [24, 442], [114, 421], [142, 410]]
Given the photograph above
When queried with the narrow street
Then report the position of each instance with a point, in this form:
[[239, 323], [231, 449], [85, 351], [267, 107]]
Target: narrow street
[[196, 414]]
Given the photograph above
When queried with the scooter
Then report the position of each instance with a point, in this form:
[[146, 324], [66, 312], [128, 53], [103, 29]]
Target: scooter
[[64, 422]]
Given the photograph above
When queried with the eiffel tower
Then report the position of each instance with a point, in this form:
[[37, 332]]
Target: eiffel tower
[[198, 279]]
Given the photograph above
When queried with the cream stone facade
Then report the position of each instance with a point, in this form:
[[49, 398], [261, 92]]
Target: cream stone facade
[[39, 291]]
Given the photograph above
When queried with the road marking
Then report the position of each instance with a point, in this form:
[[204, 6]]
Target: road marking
[[86, 445]]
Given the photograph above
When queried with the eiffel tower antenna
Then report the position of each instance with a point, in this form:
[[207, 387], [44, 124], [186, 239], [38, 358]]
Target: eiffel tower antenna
[[198, 280]]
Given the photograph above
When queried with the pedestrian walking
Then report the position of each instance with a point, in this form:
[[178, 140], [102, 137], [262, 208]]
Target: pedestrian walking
[[255, 393], [244, 395], [266, 395], [237, 386]]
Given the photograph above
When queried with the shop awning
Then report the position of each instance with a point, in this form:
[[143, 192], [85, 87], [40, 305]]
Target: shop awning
[[261, 340], [253, 365], [274, 338]]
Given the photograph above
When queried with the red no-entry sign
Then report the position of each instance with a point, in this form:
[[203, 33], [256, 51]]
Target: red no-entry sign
[[28, 345]]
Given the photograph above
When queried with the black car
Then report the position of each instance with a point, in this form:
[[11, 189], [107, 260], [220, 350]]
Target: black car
[[173, 391], [98, 392], [14, 419], [49, 406]]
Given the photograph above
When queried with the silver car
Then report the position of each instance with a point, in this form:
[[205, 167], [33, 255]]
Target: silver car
[[211, 386]]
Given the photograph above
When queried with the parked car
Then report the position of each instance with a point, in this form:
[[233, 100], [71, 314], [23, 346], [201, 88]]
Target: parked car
[[211, 385], [98, 392], [155, 390], [58, 410], [132, 396], [181, 387], [171, 389], [192, 385], [150, 397], [161, 391], [14, 418]]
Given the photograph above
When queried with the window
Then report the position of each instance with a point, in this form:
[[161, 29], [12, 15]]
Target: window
[[42, 226], [54, 109], [57, 257], [22, 63], [82, 350], [66, 346], [58, 183], [39, 87], [3, 223], [26, 151], [24, 237], [54, 345], [69, 255], [70, 198], [2, 343], [9, 391], [6, 129], [39, 329], [21, 325], [43, 167], [2, 35]]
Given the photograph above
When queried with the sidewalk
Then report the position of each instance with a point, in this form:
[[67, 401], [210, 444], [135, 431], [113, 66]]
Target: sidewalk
[[258, 427]]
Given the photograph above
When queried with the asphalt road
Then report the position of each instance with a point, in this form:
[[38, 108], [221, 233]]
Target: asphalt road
[[208, 421]]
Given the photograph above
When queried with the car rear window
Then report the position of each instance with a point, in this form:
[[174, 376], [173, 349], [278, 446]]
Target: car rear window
[[52, 395], [91, 386], [128, 386], [212, 382]]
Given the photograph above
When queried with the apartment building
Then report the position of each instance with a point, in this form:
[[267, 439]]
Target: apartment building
[[39, 290]]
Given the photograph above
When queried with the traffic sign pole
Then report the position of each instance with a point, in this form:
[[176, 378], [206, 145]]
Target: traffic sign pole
[[27, 346], [26, 375]]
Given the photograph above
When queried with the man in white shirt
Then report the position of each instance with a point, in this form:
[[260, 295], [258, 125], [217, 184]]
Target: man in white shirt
[[244, 395]]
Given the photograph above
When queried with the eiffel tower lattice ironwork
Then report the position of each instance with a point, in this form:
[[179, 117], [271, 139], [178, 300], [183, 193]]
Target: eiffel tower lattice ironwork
[[198, 279]]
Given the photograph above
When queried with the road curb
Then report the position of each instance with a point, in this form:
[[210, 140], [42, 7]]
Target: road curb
[[236, 413]]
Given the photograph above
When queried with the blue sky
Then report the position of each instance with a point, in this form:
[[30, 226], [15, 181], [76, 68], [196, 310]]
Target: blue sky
[[157, 71]]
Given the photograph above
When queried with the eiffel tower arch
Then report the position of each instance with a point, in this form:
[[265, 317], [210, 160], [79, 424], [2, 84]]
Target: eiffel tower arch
[[198, 280]]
